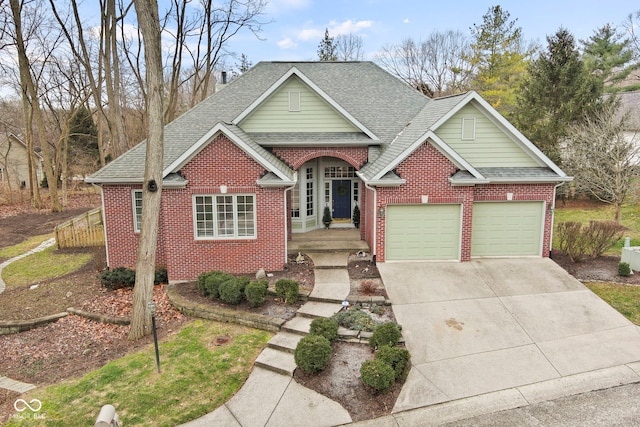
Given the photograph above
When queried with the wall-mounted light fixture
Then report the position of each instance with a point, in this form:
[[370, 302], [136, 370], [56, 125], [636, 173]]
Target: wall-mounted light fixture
[[509, 196], [425, 199], [381, 212], [223, 189]]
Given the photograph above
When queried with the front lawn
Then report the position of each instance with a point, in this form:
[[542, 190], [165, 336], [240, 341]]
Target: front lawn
[[587, 211], [198, 374], [624, 298]]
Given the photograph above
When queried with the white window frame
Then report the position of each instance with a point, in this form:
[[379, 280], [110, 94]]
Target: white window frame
[[295, 101], [136, 196], [215, 229], [468, 131]]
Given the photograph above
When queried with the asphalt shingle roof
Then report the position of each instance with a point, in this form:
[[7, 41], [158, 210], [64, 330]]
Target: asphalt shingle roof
[[395, 113]]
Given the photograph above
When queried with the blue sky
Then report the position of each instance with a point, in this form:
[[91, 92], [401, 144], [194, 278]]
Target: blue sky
[[298, 25]]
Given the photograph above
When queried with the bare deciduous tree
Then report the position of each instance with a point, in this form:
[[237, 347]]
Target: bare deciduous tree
[[149, 22], [349, 47], [436, 66], [601, 158]]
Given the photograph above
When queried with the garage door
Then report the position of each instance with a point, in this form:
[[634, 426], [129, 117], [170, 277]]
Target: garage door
[[507, 229], [422, 232]]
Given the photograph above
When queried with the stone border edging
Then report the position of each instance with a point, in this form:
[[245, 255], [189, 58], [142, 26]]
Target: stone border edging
[[204, 311], [102, 318], [14, 326]]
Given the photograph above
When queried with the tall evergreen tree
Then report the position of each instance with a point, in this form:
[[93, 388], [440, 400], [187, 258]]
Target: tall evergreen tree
[[83, 135], [499, 58], [327, 48], [557, 92], [607, 55]]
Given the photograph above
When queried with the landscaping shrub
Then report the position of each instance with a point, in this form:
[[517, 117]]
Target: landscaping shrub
[[368, 287], [312, 353], [377, 374], [396, 357], [214, 280], [578, 241], [201, 284], [385, 334], [161, 276], [327, 328], [287, 289], [117, 278], [355, 320], [243, 281], [624, 269], [256, 291], [230, 290]]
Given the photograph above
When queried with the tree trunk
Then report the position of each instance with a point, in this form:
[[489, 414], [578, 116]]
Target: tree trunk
[[148, 20]]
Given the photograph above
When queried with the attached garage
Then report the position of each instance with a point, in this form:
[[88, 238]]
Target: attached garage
[[423, 232], [507, 229]]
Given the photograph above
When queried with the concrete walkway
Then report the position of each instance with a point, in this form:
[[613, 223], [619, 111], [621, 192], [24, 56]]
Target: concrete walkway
[[8, 383], [44, 245], [270, 396]]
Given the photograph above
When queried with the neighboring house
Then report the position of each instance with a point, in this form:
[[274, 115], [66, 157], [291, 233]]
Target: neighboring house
[[14, 162], [435, 179], [630, 105]]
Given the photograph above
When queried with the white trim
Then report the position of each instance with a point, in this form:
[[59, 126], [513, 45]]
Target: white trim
[[493, 113], [465, 126], [216, 236], [440, 145], [295, 102], [136, 227], [294, 71], [209, 136]]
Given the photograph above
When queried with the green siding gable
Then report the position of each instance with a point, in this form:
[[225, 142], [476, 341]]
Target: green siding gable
[[490, 146], [314, 114]]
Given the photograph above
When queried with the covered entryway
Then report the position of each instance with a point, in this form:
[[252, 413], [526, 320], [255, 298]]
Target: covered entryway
[[507, 229], [422, 232]]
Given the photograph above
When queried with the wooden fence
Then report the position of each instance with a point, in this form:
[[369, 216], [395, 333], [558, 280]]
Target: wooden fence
[[82, 231]]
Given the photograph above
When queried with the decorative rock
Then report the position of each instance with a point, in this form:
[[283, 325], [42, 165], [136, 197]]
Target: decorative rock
[[261, 274]]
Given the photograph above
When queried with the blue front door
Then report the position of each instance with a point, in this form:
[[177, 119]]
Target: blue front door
[[341, 190]]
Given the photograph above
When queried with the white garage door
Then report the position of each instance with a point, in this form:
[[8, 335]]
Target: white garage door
[[422, 232], [507, 229]]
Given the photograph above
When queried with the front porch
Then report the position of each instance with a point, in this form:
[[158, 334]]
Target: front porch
[[328, 240]]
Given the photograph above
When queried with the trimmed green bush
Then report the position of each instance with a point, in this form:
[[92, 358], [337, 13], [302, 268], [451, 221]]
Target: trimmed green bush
[[385, 334], [355, 320], [201, 284], [313, 353], [256, 291], [231, 291], [161, 276], [624, 269], [328, 328], [214, 280], [117, 278], [242, 282], [288, 290], [396, 357], [377, 374]]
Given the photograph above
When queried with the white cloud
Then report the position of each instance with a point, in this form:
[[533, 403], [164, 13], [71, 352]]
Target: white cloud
[[405, 21], [348, 27], [310, 34], [287, 43]]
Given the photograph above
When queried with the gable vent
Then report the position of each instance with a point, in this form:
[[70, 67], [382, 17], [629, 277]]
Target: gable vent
[[294, 100]]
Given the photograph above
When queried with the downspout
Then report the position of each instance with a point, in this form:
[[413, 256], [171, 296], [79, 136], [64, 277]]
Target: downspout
[[286, 226], [553, 214], [375, 221], [104, 224]]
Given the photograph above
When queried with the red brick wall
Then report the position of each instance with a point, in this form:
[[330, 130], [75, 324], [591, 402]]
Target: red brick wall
[[427, 172], [296, 157], [220, 163]]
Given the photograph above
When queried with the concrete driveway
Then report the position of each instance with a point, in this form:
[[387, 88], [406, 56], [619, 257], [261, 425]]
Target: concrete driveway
[[513, 331]]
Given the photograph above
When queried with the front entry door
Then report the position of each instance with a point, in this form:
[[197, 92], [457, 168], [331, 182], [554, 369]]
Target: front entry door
[[341, 191]]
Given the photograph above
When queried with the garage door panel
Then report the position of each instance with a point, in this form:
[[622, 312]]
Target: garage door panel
[[422, 232], [507, 229]]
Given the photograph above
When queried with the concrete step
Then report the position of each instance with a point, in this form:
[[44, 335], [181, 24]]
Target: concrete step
[[329, 260], [314, 309], [298, 325], [323, 246], [278, 361], [285, 341]]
